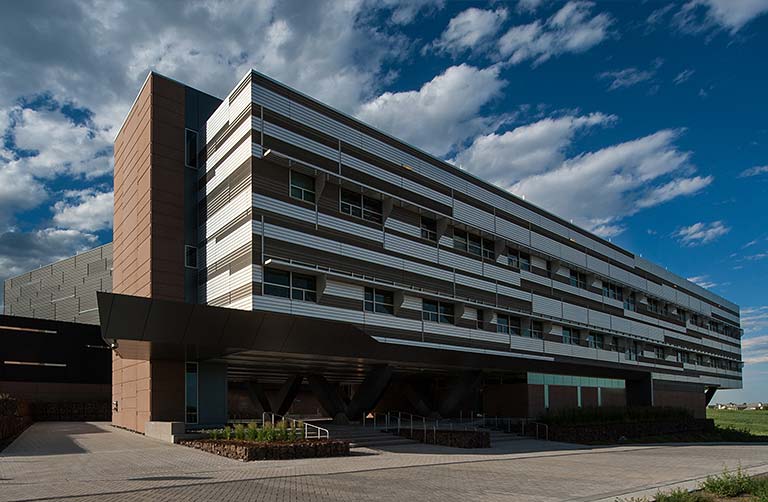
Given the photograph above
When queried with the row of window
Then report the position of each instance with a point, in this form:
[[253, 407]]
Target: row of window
[[303, 287], [302, 187]]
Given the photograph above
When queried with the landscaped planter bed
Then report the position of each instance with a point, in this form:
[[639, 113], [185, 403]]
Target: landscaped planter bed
[[456, 439], [273, 450]]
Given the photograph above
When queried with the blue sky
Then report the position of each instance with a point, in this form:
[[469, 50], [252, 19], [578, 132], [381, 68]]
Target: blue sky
[[642, 121]]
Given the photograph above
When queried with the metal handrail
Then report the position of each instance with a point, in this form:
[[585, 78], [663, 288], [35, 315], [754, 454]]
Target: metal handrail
[[310, 431], [546, 430]]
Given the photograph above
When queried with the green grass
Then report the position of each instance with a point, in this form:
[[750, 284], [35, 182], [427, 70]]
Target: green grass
[[753, 421]]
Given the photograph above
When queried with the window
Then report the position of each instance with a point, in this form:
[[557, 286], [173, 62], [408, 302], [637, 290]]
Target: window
[[360, 206], [571, 336], [595, 340], [429, 229], [519, 260], [630, 353], [289, 285], [377, 300], [190, 148], [613, 291], [629, 302], [660, 352], [190, 393], [473, 244], [507, 324], [190, 256], [480, 318], [578, 279], [653, 306], [537, 330], [302, 187], [437, 311]]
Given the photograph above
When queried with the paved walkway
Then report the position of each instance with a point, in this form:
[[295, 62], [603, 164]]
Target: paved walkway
[[96, 462]]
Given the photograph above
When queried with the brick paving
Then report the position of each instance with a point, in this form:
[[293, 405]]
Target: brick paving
[[96, 462]]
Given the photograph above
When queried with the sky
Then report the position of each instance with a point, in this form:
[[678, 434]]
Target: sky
[[644, 122]]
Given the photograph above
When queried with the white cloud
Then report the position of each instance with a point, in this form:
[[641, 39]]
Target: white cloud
[[404, 12], [629, 77], [572, 29], [530, 149], [470, 28], [697, 16], [703, 281], [86, 210], [701, 233], [19, 191], [598, 189], [754, 319], [529, 5], [675, 188], [683, 76], [754, 171], [443, 113]]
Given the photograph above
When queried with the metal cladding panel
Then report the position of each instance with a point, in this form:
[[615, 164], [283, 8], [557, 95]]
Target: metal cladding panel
[[372, 170], [621, 324], [446, 242], [613, 303], [695, 304], [501, 274], [402, 227], [446, 329], [410, 248], [435, 273], [598, 265], [547, 306], [454, 260], [412, 303], [637, 281], [270, 100], [372, 256], [351, 228], [600, 319], [284, 208], [639, 329], [545, 244], [472, 215], [426, 192], [223, 149], [258, 273], [513, 232], [668, 293], [489, 336], [322, 123], [284, 234], [514, 293], [523, 343], [528, 276], [475, 283], [654, 289], [300, 141], [470, 313], [557, 348], [392, 322], [217, 121], [573, 256], [575, 313]]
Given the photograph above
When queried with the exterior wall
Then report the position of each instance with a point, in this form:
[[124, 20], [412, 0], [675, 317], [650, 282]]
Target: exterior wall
[[131, 384], [64, 290], [680, 395], [264, 130]]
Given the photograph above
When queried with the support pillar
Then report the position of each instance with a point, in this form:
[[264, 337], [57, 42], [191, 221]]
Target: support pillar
[[370, 391], [287, 394], [709, 394], [466, 384], [256, 393], [328, 396]]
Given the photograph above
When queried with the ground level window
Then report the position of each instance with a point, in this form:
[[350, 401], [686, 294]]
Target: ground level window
[[377, 300], [190, 393]]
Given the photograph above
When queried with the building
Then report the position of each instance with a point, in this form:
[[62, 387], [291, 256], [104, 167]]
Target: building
[[267, 246]]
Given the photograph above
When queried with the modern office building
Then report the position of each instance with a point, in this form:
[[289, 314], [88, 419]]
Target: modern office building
[[269, 246]]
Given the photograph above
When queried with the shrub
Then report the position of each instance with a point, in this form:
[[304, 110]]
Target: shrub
[[214, 434], [239, 431], [680, 495], [281, 431], [227, 432], [760, 489], [252, 432], [729, 484], [269, 432]]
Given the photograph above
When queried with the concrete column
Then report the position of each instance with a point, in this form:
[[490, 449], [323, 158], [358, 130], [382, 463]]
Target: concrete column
[[258, 395], [287, 394], [465, 386], [328, 396], [370, 391]]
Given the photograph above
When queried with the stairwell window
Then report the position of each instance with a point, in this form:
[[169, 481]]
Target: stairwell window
[[437, 311], [290, 285], [429, 229], [302, 187], [190, 148], [360, 206], [519, 260], [190, 256], [377, 300]]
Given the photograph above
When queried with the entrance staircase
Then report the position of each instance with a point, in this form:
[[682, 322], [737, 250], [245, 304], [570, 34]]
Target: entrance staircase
[[365, 437]]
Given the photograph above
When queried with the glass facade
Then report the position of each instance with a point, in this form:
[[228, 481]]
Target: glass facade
[[574, 381], [191, 393]]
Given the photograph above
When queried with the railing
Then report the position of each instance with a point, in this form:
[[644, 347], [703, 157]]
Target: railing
[[310, 431], [542, 426]]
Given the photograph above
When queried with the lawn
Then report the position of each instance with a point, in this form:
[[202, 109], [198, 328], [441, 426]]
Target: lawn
[[754, 421]]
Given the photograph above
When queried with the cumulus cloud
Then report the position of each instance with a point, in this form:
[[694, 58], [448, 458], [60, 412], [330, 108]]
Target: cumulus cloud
[[597, 189], [701, 233], [629, 77], [697, 16], [572, 29], [754, 171], [530, 149], [86, 210], [470, 28], [443, 113]]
